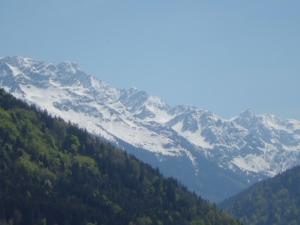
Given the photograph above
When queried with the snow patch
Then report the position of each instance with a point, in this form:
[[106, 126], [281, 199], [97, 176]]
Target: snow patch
[[194, 137], [252, 163], [15, 71]]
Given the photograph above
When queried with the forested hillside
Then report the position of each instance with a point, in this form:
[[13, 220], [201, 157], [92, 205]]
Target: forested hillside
[[272, 202], [54, 173]]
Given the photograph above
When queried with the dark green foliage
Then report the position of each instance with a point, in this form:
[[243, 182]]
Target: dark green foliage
[[272, 202], [54, 173]]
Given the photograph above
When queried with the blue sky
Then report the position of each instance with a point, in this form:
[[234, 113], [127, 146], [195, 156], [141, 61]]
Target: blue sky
[[224, 56]]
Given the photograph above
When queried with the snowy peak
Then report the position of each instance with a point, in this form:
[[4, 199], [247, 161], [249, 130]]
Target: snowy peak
[[20, 62], [247, 119], [68, 67], [66, 75], [133, 99], [145, 107]]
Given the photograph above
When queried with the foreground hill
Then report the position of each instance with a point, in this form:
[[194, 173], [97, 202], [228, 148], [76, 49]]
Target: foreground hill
[[54, 173], [212, 156], [272, 202]]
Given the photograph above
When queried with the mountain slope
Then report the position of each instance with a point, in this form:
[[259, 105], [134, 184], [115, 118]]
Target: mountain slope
[[274, 201], [196, 146], [55, 173]]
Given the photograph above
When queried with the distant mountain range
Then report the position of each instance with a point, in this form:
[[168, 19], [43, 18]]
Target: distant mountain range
[[213, 156], [273, 201]]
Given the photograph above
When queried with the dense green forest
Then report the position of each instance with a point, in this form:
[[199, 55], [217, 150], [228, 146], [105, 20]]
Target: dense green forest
[[52, 172], [272, 202]]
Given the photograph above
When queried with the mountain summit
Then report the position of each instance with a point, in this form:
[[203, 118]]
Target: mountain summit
[[213, 156]]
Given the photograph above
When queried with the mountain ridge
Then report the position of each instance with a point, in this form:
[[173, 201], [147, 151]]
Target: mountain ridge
[[251, 146]]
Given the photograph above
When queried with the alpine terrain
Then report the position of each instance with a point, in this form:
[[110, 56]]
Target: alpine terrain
[[213, 156]]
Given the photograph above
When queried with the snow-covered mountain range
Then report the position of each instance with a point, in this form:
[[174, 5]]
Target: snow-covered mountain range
[[213, 156]]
